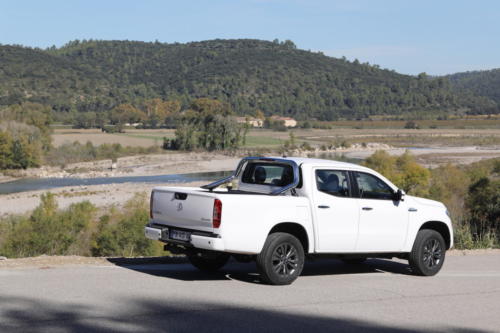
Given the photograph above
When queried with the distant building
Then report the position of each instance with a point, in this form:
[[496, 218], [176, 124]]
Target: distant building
[[255, 122], [287, 121]]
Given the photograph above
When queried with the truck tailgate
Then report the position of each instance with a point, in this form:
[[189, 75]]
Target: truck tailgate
[[183, 207]]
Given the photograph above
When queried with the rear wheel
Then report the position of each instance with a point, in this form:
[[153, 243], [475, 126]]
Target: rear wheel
[[281, 260], [208, 261], [428, 253]]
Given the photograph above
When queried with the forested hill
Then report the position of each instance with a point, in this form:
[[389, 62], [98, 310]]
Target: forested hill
[[483, 83], [274, 77]]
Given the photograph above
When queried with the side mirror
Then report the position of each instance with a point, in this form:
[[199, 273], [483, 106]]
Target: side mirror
[[399, 195]]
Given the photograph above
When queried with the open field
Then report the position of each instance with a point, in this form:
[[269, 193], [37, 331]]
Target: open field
[[393, 137], [267, 138], [133, 138], [476, 122], [78, 294]]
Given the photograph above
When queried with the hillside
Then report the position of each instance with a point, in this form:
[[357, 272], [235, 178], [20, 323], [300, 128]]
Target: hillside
[[249, 74], [483, 83]]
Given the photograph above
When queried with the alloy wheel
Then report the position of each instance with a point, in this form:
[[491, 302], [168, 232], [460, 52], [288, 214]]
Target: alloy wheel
[[285, 259]]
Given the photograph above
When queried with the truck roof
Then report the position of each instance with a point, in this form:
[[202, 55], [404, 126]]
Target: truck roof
[[323, 162]]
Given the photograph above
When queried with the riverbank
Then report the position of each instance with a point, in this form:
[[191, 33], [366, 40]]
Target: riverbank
[[139, 165], [101, 196], [188, 162]]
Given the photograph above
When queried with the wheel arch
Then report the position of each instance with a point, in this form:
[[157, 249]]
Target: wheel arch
[[294, 229], [440, 227]]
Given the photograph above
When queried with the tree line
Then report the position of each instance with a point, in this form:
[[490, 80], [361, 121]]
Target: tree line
[[25, 131]]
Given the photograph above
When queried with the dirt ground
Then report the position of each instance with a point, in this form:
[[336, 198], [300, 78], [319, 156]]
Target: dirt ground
[[139, 165]]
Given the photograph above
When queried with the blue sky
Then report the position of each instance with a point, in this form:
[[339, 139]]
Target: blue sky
[[437, 37]]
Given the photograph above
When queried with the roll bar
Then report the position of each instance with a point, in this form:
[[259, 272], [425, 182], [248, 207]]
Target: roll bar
[[245, 160]]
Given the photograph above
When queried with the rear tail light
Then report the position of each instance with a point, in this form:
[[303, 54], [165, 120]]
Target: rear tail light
[[151, 204], [216, 219]]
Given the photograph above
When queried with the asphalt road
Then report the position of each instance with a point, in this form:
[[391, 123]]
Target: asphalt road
[[378, 296]]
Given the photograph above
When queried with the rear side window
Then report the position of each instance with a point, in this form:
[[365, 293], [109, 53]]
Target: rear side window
[[268, 174], [371, 187], [334, 182]]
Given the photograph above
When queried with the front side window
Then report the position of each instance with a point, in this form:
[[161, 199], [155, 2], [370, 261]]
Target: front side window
[[371, 187], [268, 174], [334, 182]]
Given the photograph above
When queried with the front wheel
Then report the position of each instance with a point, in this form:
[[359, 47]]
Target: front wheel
[[428, 252], [208, 261], [281, 260]]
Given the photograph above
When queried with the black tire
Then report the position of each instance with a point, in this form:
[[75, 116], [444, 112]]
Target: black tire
[[428, 253], [281, 260], [208, 261], [354, 261]]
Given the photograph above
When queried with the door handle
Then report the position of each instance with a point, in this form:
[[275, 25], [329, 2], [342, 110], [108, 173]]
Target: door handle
[[367, 208], [411, 209], [323, 206]]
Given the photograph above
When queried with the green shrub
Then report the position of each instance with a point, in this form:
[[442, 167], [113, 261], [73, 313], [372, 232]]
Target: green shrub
[[77, 231], [463, 237], [121, 233], [47, 230]]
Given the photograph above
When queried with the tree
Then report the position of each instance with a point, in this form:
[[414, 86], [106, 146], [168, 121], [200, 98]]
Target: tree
[[382, 162], [208, 125], [449, 184], [158, 110], [411, 176], [32, 114], [126, 113], [259, 114], [483, 202], [6, 159], [24, 154], [85, 120], [403, 171], [23, 143]]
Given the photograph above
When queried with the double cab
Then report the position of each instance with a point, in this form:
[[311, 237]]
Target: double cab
[[278, 211]]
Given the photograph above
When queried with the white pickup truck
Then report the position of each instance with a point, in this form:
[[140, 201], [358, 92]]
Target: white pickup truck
[[277, 211]]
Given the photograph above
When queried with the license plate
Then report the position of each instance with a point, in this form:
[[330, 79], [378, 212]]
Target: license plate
[[180, 235]]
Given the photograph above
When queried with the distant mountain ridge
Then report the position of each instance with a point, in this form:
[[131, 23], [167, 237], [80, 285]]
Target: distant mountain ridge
[[274, 77]]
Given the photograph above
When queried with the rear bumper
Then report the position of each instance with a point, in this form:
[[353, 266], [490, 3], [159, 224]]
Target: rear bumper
[[211, 242]]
